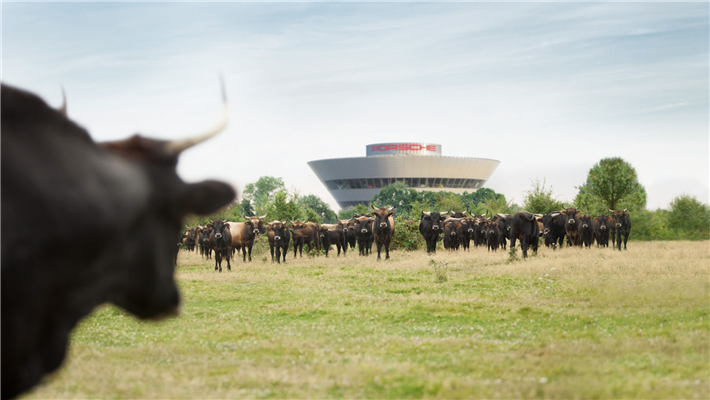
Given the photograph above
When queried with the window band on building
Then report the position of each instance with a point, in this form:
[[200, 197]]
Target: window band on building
[[415, 183]]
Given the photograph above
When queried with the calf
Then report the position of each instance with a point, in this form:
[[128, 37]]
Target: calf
[[622, 226], [586, 234], [329, 234], [492, 234], [221, 243], [430, 226], [468, 226], [524, 227], [205, 248], [601, 229], [279, 237], [571, 228]]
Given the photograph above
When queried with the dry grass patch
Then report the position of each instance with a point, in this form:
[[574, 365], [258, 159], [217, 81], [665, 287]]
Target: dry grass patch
[[570, 323]]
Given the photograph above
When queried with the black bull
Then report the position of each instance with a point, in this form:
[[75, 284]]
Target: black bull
[[114, 220], [524, 227]]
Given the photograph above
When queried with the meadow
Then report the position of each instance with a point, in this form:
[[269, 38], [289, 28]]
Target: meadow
[[570, 323]]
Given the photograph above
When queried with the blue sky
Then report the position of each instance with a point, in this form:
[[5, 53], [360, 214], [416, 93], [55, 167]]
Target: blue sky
[[546, 88]]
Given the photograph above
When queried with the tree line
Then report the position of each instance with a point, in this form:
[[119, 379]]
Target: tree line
[[612, 183]]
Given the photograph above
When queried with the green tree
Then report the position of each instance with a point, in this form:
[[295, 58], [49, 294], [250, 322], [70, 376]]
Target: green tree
[[319, 207], [398, 195], [539, 199], [690, 217], [615, 182], [260, 193], [285, 208], [247, 209], [350, 211]]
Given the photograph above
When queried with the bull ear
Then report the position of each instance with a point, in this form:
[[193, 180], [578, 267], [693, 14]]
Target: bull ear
[[374, 213], [391, 213], [226, 225], [205, 197], [564, 212], [596, 219]]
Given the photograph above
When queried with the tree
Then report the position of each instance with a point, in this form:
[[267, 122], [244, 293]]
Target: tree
[[319, 207], [398, 195], [262, 192], [614, 182], [247, 209], [690, 216], [285, 208], [539, 199], [350, 211]]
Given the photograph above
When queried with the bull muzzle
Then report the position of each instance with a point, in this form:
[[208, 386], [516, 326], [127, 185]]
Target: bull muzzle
[[585, 226], [453, 233], [363, 230], [602, 227], [618, 225], [470, 230], [218, 236], [572, 222], [435, 227], [383, 225], [256, 231], [546, 231], [277, 237]]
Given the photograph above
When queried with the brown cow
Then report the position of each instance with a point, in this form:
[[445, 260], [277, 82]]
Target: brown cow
[[305, 233], [244, 233], [383, 229]]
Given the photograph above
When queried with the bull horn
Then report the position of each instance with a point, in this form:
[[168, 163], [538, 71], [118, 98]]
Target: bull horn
[[63, 108], [443, 213], [625, 209], [392, 208], [611, 211], [576, 207], [463, 213], [175, 147], [428, 214], [264, 216], [501, 215]]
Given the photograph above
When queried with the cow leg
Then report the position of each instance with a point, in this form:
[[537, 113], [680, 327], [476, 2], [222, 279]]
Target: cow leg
[[278, 254], [271, 247], [244, 253], [250, 246], [379, 248], [523, 245], [217, 260], [387, 250], [229, 266]]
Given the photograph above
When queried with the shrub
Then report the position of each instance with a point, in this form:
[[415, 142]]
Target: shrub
[[406, 235]]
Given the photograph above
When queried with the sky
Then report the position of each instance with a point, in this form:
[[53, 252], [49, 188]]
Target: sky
[[549, 89]]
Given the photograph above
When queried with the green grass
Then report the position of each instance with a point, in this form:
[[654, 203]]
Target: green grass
[[567, 324]]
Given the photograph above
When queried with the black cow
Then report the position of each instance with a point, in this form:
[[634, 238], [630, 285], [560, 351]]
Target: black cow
[[350, 234], [479, 231], [279, 237], [586, 232], [363, 227], [383, 229], [452, 233], [430, 226], [492, 235], [114, 209], [622, 226], [192, 238], [468, 226], [221, 243], [554, 228], [204, 238], [330, 234], [600, 226], [524, 227], [504, 222]]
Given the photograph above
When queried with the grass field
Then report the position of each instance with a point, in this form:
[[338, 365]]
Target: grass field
[[571, 323]]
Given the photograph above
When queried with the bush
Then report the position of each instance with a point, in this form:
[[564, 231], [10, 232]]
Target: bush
[[406, 235]]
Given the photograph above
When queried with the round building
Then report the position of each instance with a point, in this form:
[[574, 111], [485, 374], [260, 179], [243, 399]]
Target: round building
[[420, 166]]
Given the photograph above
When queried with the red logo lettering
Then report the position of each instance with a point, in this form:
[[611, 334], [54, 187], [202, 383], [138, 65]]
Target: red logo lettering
[[403, 147], [431, 147], [415, 147]]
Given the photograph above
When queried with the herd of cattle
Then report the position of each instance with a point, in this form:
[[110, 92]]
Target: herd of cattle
[[226, 238], [86, 223]]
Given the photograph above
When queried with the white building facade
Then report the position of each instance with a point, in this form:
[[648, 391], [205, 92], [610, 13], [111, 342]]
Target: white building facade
[[420, 166]]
